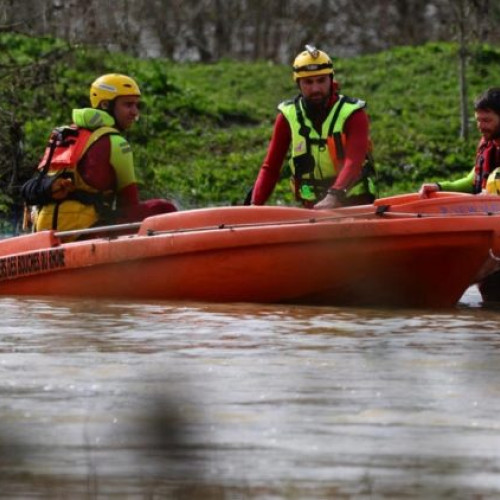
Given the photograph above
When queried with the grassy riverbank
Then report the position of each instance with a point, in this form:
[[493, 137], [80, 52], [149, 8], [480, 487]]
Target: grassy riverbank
[[205, 128]]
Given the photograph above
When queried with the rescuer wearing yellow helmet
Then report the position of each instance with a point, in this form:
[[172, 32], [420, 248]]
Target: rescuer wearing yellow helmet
[[484, 177], [86, 176], [328, 137], [108, 87]]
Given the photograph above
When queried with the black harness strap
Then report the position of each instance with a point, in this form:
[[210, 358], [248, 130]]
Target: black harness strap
[[339, 147], [55, 215], [335, 117], [337, 136], [304, 130]]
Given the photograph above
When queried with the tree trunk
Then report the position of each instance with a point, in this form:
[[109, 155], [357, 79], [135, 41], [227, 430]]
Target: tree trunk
[[462, 72]]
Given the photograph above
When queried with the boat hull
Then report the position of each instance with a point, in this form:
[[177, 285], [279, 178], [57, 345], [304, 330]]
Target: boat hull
[[262, 254], [449, 204]]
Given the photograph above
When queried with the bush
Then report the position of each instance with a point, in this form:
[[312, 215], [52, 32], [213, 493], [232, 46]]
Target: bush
[[205, 127]]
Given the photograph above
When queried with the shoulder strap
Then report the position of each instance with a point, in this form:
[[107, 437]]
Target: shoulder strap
[[335, 117], [96, 135], [304, 130], [60, 136]]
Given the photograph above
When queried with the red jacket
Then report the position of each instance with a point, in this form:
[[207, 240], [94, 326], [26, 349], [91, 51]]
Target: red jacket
[[101, 175]]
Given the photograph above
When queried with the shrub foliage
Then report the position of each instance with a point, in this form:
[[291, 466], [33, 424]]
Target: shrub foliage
[[204, 128]]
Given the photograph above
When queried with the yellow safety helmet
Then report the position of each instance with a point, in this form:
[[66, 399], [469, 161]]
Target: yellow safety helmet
[[107, 87], [493, 182], [312, 62]]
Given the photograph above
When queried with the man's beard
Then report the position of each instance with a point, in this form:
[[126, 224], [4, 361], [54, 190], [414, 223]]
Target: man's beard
[[315, 106]]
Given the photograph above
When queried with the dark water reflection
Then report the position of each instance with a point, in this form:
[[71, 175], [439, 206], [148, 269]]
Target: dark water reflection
[[161, 400]]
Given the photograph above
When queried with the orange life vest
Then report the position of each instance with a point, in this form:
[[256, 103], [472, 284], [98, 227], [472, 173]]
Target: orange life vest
[[67, 145]]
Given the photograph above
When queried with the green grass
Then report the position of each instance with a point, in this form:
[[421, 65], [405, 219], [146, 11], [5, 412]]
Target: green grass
[[205, 128]]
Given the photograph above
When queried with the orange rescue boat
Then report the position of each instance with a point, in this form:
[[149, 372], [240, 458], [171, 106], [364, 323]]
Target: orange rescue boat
[[400, 252]]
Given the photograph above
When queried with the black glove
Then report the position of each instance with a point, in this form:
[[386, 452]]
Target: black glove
[[38, 190]]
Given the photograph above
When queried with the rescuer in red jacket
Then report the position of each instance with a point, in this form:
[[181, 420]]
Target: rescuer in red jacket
[[327, 135], [86, 176]]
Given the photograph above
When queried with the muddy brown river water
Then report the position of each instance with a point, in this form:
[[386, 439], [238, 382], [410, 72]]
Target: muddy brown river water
[[103, 399]]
